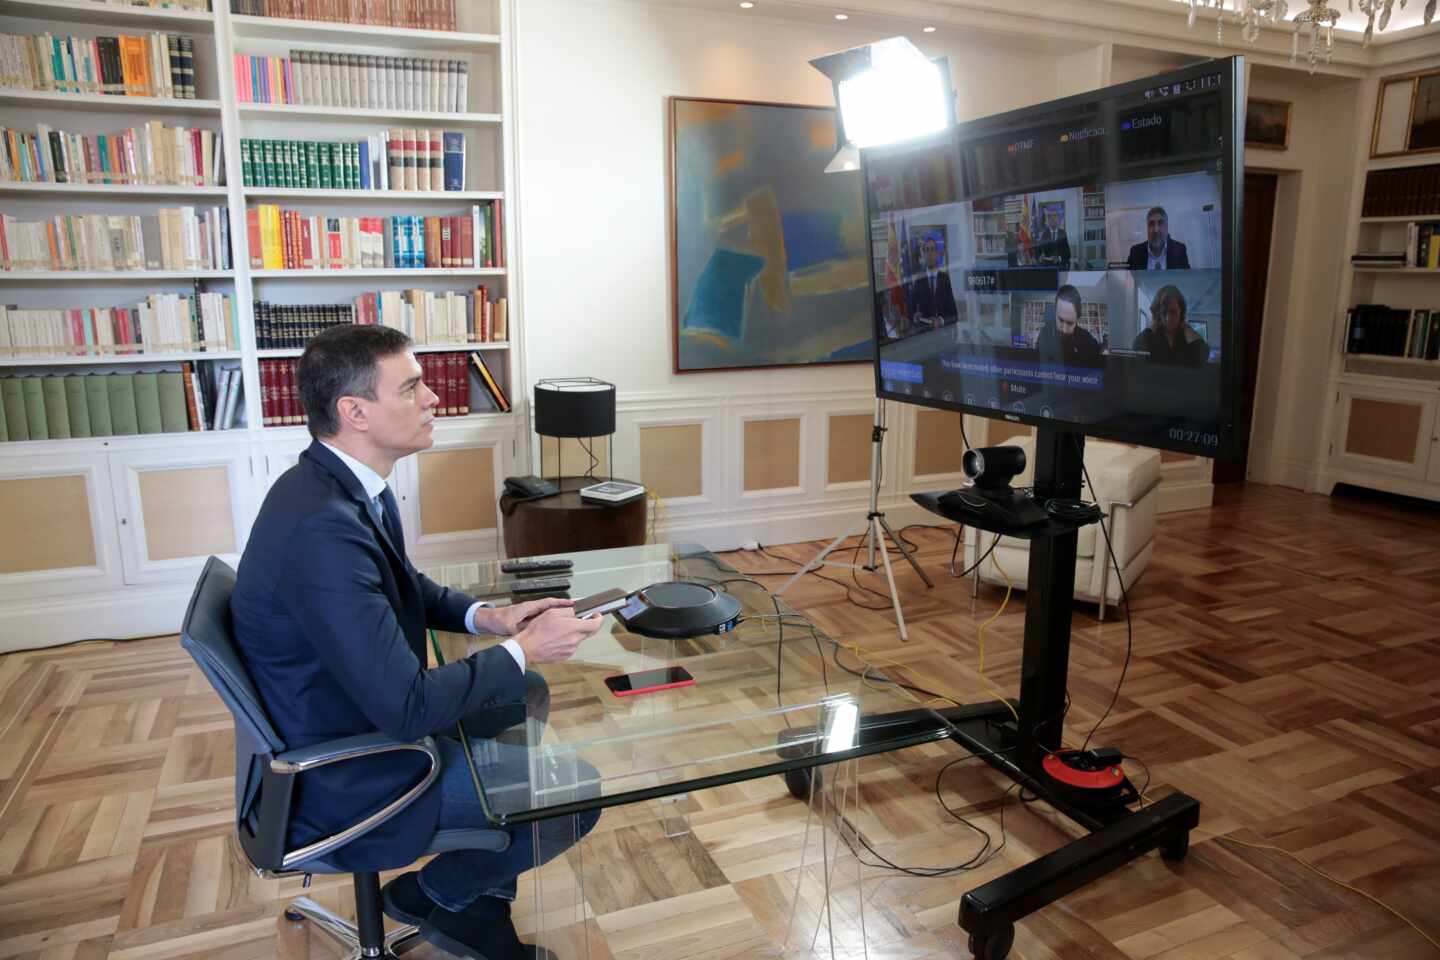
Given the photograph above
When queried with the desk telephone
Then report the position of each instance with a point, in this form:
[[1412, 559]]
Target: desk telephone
[[529, 488]]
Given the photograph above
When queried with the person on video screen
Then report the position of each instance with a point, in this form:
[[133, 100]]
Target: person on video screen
[[1160, 251], [1066, 342], [930, 292], [1052, 246], [1169, 339]]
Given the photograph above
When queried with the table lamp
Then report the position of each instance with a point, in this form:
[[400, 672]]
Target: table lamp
[[575, 408]]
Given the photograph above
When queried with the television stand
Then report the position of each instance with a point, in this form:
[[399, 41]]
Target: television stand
[[989, 731]]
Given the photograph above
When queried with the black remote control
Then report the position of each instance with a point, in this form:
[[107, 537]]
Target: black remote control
[[540, 585], [528, 568]]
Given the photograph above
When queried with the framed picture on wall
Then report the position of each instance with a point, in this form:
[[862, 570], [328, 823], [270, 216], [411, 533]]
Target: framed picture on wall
[[1267, 124], [1407, 115], [768, 251]]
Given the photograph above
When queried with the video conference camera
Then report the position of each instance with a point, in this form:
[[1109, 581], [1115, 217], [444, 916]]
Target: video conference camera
[[992, 468]]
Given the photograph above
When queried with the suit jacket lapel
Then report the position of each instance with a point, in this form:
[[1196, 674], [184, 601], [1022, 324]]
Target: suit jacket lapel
[[327, 461]]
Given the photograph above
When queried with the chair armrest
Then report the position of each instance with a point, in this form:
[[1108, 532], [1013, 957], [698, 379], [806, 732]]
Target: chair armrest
[[1128, 477], [294, 762], [347, 748]]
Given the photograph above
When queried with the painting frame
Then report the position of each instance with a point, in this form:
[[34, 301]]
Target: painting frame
[[1256, 109], [1414, 81], [672, 105]]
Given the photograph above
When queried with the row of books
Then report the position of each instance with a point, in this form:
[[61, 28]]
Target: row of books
[[146, 65], [396, 159], [447, 374], [417, 14], [176, 238], [163, 323], [193, 398], [200, 6], [1403, 191], [324, 78], [149, 154], [428, 318], [289, 240], [1388, 332]]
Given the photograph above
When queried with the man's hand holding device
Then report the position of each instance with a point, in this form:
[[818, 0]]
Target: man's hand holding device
[[555, 633], [509, 620]]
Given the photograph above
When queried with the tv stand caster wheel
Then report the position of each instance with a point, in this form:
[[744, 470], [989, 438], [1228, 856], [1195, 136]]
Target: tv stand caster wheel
[[292, 916], [799, 781], [994, 946], [1174, 850]]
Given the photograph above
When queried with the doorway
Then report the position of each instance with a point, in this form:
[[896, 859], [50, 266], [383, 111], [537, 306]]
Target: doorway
[[1258, 219]]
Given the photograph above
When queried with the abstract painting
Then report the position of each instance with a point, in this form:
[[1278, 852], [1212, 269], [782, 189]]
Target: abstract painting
[[769, 258]]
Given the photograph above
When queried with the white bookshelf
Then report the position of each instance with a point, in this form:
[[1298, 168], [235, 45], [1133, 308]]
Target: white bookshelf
[[381, 196], [436, 117], [93, 102], [103, 599]]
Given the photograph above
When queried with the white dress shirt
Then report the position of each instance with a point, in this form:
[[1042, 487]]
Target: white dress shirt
[[1156, 261], [374, 485]]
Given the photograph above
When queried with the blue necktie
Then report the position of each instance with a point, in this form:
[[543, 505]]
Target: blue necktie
[[386, 514]]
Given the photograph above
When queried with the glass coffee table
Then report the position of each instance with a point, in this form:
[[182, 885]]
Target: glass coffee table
[[769, 699]]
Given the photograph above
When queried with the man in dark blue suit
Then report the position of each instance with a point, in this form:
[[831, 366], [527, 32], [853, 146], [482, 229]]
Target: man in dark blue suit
[[330, 617], [1160, 251]]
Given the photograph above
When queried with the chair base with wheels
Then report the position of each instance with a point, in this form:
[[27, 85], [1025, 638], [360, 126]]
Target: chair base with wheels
[[367, 937]]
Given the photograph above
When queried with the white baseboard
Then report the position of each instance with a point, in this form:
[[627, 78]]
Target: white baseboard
[[121, 615], [1197, 495], [796, 526]]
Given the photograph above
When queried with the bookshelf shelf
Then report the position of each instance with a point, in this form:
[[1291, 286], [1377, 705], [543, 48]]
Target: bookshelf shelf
[[113, 276], [316, 193], [418, 348], [111, 14], [302, 112], [1408, 160], [115, 189], [1403, 271], [293, 431], [122, 442], [381, 272], [1412, 218], [1397, 361], [74, 361], [320, 31], [92, 101]]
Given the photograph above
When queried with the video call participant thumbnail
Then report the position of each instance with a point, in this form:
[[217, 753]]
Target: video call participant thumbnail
[[1169, 339], [1065, 342], [1160, 251], [931, 296]]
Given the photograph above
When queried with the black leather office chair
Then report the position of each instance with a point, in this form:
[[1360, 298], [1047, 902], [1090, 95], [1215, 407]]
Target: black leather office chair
[[265, 775]]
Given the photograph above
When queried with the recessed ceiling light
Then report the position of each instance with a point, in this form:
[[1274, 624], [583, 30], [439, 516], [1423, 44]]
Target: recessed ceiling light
[[929, 29], [842, 16], [746, 4]]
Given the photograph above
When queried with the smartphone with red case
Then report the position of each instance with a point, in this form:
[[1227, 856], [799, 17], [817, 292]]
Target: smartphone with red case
[[649, 681]]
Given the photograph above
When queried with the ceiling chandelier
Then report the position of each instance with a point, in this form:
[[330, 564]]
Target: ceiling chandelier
[[1317, 17]]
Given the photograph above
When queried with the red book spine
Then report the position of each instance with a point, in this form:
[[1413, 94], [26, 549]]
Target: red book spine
[[462, 383], [266, 395], [252, 238], [287, 392]]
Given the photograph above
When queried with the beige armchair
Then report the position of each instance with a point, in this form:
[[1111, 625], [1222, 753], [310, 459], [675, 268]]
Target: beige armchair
[[1126, 487]]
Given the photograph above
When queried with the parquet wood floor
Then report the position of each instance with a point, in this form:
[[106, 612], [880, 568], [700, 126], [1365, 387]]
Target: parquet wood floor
[[1286, 672]]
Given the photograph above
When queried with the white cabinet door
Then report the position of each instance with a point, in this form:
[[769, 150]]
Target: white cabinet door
[[1433, 475], [273, 459], [57, 526], [448, 495], [178, 506], [1381, 431]]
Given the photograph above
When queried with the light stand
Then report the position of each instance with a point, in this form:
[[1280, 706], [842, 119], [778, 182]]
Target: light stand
[[875, 529]]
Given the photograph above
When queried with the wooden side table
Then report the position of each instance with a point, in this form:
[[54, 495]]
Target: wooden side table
[[565, 523]]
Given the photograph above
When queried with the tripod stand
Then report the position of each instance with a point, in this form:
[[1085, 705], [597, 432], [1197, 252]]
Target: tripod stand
[[875, 529]]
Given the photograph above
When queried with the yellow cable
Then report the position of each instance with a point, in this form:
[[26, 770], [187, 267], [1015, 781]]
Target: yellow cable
[[1339, 883]]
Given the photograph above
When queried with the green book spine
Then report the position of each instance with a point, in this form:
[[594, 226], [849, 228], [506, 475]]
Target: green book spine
[[4, 423], [287, 162], [147, 403], [35, 408], [172, 404], [97, 398], [269, 163], [57, 408], [312, 165], [79, 409], [13, 399], [122, 404]]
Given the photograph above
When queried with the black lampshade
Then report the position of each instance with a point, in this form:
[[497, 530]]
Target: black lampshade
[[574, 407]]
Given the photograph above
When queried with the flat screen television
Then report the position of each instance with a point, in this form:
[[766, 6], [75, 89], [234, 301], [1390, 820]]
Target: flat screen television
[[1074, 263]]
